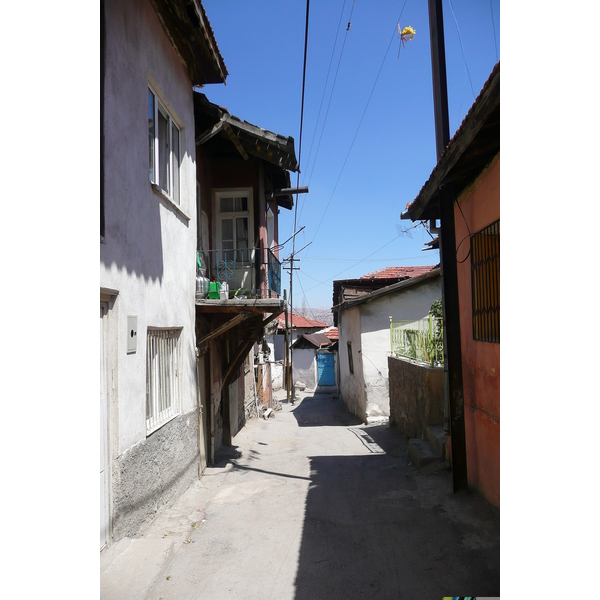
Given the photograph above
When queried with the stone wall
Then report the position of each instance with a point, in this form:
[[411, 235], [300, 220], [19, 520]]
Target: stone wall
[[153, 474], [416, 396]]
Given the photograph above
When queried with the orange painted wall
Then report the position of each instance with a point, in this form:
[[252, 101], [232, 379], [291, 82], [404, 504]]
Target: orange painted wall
[[480, 205]]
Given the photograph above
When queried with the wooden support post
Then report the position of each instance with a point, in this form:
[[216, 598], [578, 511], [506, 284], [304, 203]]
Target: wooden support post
[[285, 349], [450, 301], [237, 361]]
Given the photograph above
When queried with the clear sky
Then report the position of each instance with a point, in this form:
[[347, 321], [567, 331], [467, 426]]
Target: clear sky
[[368, 139]]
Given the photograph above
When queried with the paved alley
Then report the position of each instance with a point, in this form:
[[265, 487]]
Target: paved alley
[[312, 504]]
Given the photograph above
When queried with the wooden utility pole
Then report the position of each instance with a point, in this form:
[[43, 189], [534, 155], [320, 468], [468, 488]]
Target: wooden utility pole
[[286, 376], [451, 310]]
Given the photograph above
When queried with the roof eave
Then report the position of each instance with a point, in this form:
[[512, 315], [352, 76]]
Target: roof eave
[[189, 30], [390, 289], [426, 205]]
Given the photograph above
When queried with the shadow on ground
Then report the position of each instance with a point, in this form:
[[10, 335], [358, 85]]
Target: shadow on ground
[[323, 410], [375, 527]]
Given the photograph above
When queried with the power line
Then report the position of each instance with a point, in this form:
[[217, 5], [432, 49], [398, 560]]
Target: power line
[[305, 298], [350, 267], [354, 260], [494, 29], [298, 185], [330, 95], [325, 87], [461, 47], [361, 120]]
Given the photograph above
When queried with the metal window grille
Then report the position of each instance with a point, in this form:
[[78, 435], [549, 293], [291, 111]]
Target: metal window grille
[[485, 283], [162, 383]]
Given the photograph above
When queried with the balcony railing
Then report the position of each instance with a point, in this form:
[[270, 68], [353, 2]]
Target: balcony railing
[[240, 269]]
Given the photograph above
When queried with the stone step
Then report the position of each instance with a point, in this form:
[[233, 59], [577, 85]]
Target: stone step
[[422, 452], [437, 438]]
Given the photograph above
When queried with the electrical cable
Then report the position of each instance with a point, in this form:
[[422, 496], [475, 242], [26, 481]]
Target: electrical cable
[[325, 87], [299, 152], [310, 310], [330, 98], [468, 237], [350, 267], [461, 47], [361, 120], [494, 29]]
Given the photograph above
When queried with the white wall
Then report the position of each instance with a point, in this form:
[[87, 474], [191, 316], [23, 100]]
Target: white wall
[[409, 304], [351, 386], [149, 251], [305, 367]]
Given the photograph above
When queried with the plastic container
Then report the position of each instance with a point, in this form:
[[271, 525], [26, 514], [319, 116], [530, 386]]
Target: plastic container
[[202, 285], [213, 290], [224, 291]]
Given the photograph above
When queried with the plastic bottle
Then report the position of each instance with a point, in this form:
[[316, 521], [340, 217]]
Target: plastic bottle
[[224, 291]]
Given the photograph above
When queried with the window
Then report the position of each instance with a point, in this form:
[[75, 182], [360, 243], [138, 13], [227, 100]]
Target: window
[[162, 377], [164, 152], [485, 283], [235, 225], [350, 361]]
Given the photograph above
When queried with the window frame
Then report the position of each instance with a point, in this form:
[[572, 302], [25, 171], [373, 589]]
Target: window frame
[[154, 153], [157, 363], [234, 215]]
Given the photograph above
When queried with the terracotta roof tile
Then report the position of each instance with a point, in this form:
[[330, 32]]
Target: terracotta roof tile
[[331, 332], [399, 272], [300, 321]]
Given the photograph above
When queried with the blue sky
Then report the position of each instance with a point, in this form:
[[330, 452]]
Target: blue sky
[[361, 174]]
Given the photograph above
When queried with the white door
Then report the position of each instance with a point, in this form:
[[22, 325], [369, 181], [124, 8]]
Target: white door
[[103, 431]]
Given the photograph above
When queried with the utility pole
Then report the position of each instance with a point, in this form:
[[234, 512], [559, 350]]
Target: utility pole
[[285, 350], [451, 311], [292, 269]]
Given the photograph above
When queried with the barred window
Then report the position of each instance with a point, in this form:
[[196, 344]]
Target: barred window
[[485, 283], [162, 377]]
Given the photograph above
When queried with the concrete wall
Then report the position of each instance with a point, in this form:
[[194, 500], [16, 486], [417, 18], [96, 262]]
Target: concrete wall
[[352, 385], [153, 473], [416, 396], [277, 375], [148, 254], [410, 304], [480, 205], [305, 367], [367, 327]]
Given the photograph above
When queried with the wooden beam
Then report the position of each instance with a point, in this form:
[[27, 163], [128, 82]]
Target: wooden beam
[[234, 138], [225, 327], [210, 133], [237, 361]]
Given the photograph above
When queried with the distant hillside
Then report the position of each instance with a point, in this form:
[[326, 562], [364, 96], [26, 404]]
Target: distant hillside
[[319, 314]]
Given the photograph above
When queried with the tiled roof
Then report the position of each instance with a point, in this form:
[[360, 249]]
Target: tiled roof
[[399, 272], [486, 107], [300, 321], [331, 332]]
